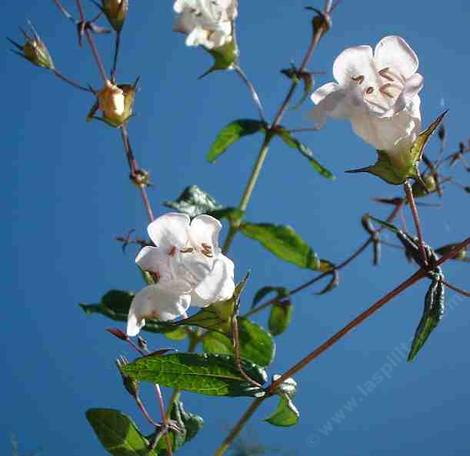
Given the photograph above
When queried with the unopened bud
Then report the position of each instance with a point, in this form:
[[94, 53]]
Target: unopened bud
[[141, 178], [115, 103], [33, 49], [288, 386], [424, 186], [116, 12], [131, 385]]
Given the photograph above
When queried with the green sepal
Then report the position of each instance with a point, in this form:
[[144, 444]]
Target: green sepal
[[225, 58], [397, 171]]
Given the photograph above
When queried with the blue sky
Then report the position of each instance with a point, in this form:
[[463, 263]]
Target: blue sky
[[65, 195]]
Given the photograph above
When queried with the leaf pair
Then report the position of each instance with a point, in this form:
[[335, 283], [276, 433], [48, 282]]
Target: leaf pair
[[240, 128]]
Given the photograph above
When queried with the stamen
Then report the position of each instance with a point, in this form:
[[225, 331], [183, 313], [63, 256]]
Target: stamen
[[206, 250], [359, 79], [384, 88], [172, 251], [385, 74], [369, 90], [187, 250]]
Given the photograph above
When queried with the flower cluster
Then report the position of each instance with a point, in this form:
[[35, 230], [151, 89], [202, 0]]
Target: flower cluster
[[188, 266], [207, 23], [378, 91]]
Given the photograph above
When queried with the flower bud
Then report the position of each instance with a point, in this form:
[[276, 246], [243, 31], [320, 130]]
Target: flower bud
[[115, 103], [116, 12], [427, 181], [34, 49], [131, 385]]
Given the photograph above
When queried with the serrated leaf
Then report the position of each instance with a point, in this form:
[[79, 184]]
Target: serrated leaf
[[118, 433], [434, 304], [286, 413], [189, 425], [115, 305], [209, 374], [284, 242], [256, 344], [194, 201], [396, 172], [280, 317], [231, 134], [294, 143]]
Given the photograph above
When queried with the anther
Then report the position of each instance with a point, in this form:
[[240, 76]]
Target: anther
[[384, 73], [384, 88], [369, 90], [359, 79]]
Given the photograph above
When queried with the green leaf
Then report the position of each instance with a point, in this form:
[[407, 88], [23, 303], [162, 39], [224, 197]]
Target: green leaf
[[280, 317], [115, 305], [256, 344], [434, 304], [189, 424], [265, 291], [118, 433], [284, 242], [194, 201], [397, 171], [231, 134], [286, 413], [209, 374], [294, 143], [232, 214], [176, 334]]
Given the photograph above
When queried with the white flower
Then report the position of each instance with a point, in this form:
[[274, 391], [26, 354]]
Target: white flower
[[377, 90], [111, 100], [208, 23], [189, 266]]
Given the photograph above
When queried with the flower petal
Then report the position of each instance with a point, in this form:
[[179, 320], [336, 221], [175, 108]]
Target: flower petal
[[411, 90], [338, 104], [219, 285], [204, 231], [352, 63], [155, 302], [169, 231], [154, 260], [394, 52]]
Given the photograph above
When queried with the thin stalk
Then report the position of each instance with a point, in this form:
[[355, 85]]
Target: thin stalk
[[414, 212], [420, 274], [252, 90], [92, 44], [70, 81], [117, 47], [239, 426], [134, 169]]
